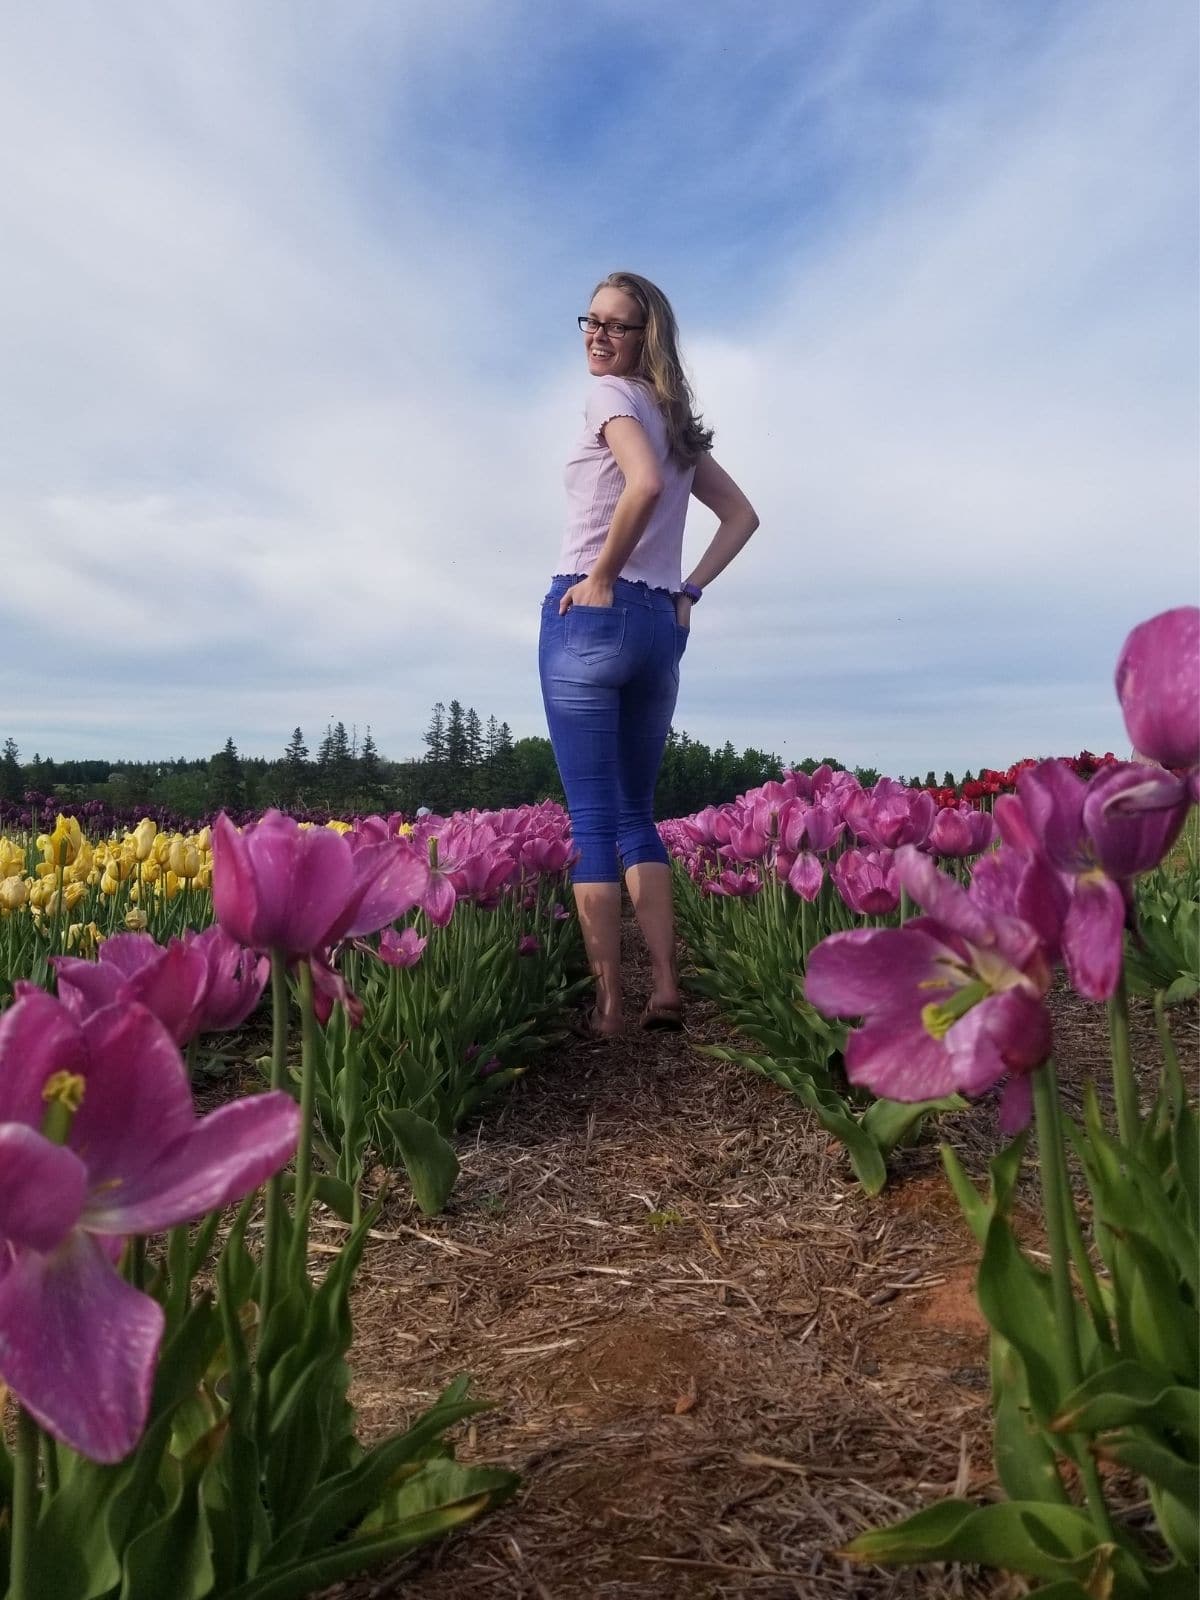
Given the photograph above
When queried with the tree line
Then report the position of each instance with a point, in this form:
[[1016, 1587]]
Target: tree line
[[467, 761]]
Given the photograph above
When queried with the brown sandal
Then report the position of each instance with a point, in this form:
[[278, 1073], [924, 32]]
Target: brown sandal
[[663, 1019]]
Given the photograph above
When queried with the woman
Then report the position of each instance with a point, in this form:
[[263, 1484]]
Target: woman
[[615, 624]]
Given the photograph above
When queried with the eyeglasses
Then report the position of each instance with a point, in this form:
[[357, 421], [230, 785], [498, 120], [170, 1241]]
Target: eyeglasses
[[614, 330]]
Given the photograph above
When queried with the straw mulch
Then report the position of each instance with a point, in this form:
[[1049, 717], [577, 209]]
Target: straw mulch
[[713, 1359]]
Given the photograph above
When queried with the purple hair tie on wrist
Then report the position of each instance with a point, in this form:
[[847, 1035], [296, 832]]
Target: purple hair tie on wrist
[[692, 590]]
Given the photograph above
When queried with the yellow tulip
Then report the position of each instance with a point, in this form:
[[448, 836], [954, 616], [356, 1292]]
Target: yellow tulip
[[184, 858], [135, 920], [14, 892], [86, 935], [162, 849], [204, 839], [142, 838], [62, 846], [203, 879], [109, 885]]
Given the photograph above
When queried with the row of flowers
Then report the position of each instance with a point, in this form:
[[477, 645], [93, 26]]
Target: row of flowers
[[1092, 1360]]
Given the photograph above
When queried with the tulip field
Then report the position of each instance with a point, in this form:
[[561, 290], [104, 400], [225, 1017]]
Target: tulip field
[[876, 1281]]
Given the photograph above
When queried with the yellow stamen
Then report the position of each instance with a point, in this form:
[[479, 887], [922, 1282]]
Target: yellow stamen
[[65, 1089]]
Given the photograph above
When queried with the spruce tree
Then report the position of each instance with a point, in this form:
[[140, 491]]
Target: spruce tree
[[12, 780], [435, 735]]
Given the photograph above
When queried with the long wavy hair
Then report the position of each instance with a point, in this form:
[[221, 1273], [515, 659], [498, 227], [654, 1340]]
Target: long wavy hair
[[661, 368]]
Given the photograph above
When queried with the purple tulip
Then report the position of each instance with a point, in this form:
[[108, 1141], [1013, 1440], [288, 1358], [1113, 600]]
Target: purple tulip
[[1158, 685], [278, 886], [1086, 834], [890, 814], [806, 876], [867, 881], [735, 885], [529, 945], [99, 1140], [960, 831], [401, 949], [952, 1002], [133, 968], [236, 979]]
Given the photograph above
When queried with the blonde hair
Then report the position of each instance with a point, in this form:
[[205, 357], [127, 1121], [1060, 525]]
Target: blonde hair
[[661, 368]]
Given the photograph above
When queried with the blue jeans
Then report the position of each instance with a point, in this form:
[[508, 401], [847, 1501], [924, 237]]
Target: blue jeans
[[610, 677]]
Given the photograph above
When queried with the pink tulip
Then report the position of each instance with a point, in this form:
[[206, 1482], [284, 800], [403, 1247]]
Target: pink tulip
[[890, 814], [236, 979], [737, 885], [806, 876], [278, 886], [960, 831], [401, 949], [99, 1140], [1084, 833], [1158, 685], [133, 968], [952, 1003], [867, 881]]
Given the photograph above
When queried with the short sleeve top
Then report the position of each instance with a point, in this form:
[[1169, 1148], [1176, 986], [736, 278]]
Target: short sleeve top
[[594, 483]]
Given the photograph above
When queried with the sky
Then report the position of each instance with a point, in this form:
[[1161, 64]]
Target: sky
[[290, 371]]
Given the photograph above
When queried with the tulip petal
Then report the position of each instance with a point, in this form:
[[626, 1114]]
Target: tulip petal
[[897, 1058], [1007, 1032], [1093, 936], [78, 1347], [221, 1158], [85, 986], [234, 888], [38, 1037], [1016, 1105], [42, 1188], [136, 1101], [869, 969]]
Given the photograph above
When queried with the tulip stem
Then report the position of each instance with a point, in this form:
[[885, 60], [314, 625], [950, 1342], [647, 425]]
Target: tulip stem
[[1055, 1193], [1124, 1087], [24, 1506], [310, 1044], [274, 1199]]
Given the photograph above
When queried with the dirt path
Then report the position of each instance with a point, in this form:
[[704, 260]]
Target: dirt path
[[713, 1360]]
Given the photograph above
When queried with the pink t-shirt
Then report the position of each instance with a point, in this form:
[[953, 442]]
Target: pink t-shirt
[[595, 481]]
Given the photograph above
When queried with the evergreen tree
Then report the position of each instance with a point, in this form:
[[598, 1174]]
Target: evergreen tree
[[456, 741], [491, 739], [370, 772], [227, 778], [435, 735], [295, 766], [473, 738], [12, 780]]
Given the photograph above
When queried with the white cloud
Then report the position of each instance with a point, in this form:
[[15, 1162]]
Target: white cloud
[[286, 427]]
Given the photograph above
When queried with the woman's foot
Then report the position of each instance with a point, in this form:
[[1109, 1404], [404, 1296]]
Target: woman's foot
[[664, 1010]]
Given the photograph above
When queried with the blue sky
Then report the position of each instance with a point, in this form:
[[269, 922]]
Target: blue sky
[[286, 320]]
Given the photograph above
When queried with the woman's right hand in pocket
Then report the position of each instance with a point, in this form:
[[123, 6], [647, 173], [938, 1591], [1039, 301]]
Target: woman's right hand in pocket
[[683, 610], [587, 592]]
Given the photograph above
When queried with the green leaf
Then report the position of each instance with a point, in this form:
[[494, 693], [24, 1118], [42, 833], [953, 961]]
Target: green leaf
[[304, 1577], [171, 1555], [1129, 1393], [1157, 1464], [1038, 1541], [974, 1207], [889, 1121], [330, 1191], [429, 1160]]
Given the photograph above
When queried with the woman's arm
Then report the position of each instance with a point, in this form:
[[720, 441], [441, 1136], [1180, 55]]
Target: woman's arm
[[714, 488], [634, 454]]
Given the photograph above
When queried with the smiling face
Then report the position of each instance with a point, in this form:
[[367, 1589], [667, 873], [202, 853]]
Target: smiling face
[[617, 357]]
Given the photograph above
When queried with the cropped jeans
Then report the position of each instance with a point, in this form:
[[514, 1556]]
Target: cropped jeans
[[610, 677]]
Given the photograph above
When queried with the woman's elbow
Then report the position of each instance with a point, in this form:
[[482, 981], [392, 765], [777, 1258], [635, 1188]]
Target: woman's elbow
[[751, 519], [647, 488]]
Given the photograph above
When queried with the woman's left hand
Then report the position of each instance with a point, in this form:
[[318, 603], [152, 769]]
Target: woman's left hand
[[587, 592], [683, 610]]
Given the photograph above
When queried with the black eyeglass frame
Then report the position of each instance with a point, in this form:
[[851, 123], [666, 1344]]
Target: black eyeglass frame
[[608, 328]]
